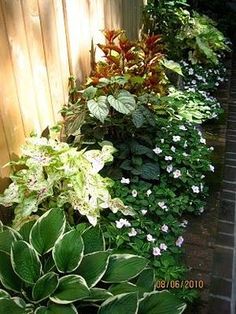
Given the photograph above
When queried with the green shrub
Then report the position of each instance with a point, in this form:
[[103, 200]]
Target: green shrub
[[50, 268]]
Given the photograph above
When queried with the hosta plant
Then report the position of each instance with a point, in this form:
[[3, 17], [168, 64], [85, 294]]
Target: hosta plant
[[48, 267], [53, 174]]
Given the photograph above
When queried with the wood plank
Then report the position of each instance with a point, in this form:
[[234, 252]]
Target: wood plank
[[9, 106], [62, 46], [38, 64], [21, 65], [51, 51], [4, 155], [79, 37]]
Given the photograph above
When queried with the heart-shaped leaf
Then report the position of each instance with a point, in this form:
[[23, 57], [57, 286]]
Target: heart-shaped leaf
[[123, 267], [45, 286], [47, 229], [124, 103], [70, 289], [93, 267], [25, 262], [68, 251], [99, 109]]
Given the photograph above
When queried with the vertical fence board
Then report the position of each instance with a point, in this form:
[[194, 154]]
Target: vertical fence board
[[43, 42]]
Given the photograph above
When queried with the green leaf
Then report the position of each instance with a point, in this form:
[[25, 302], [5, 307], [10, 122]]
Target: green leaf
[[122, 303], [71, 288], [10, 306], [123, 267], [98, 294], [138, 118], [161, 302], [150, 171], [173, 66], [7, 237], [146, 281], [124, 287], [124, 103], [68, 251], [99, 109], [7, 275], [93, 267], [25, 230], [93, 240], [25, 262], [47, 229], [45, 286], [4, 294], [90, 92], [56, 309]]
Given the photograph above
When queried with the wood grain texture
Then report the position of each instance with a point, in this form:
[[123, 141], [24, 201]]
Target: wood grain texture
[[43, 42]]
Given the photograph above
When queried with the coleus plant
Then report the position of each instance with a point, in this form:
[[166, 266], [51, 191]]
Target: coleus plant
[[53, 174], [48, 267]]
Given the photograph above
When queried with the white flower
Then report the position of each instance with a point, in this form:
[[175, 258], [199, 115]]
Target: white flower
[[156, 251], [179, 241], [190, 71], [173, 149], [195, 189], [202, 176], [150, 238], [212, 168], [211, 148], [132, 233], [157, 150], [168, 158], [149, 192], [176, 138], [185, 154], [162, 140], [125, 180], [183, 128], [201, 210], [194, 82], [163, 246], [122, 223], [164, 228], [185, 144], [134, 193], [143, 211], [177, 174], [162, 205], [202, 140], [169, 168], [184, 223]]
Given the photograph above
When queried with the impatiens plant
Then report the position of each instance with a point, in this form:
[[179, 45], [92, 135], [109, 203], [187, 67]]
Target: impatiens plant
[[48, 267], [53, 174]]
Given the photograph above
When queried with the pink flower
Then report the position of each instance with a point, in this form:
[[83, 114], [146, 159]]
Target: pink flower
[[156, 251], [179, 241]]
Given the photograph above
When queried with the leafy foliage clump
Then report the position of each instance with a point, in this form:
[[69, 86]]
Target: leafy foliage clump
[[48, 267], [53, 174]]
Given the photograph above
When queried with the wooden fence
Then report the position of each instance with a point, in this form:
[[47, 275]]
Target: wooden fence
[[43, 42]]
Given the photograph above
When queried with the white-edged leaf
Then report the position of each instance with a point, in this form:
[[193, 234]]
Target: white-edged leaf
[[99, 108], [8, 277], [47, 229], [123, 267], [120, 304], [161, 302], [45, 286], [68, 251], [93, 267], [93, 240], [10, 306], [70, 289], [56, 309], [25, 262]]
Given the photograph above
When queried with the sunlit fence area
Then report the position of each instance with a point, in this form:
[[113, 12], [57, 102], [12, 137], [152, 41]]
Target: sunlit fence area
[[43, 43]]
